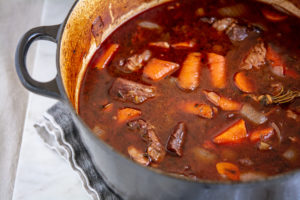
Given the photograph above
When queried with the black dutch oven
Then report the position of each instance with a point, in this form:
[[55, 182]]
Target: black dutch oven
[[75, 46]]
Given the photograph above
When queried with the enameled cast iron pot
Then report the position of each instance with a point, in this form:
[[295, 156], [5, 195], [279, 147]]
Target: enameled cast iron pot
[[75, 46]]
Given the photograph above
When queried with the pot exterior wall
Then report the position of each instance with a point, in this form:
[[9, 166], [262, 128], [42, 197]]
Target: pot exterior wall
[[132, 181]]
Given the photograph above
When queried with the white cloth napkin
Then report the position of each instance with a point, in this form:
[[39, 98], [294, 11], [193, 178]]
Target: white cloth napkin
[[57, 130]]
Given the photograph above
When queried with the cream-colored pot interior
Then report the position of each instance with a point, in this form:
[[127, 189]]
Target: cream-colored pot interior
[[78, 43]]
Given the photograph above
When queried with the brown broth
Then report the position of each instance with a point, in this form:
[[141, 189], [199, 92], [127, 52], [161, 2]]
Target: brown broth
[[163, 111]]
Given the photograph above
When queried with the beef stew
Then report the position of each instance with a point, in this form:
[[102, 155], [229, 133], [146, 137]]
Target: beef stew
[[206, 90]]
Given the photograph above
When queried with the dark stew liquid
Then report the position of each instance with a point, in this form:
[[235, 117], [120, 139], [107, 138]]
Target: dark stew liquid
[[203, 89]]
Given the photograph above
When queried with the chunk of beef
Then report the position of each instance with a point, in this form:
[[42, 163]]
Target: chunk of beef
[[141, 127], [255, 58], [231, 27], [136, 62], [176, 139], [155, 149], [129, 91], [138, 156]]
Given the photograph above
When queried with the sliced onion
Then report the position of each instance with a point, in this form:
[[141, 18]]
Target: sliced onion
[[277, 131], [278, 70], [253, 115], [290, 154], [204, 156], [233, 11], [149, 25]]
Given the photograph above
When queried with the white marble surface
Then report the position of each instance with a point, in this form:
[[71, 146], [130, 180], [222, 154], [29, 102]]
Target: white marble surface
[[41, 173]]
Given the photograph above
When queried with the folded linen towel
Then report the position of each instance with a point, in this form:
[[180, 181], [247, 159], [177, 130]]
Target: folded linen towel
[[58, 131]]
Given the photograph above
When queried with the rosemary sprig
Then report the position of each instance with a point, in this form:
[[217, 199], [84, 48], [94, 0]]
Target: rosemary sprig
[[280, 98]]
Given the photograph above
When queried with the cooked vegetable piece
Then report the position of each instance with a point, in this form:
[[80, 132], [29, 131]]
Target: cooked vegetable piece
[[235, 10], [234, 134], [108, 107], [280, 98], [127, 114], [255, 57], [273, 15], [291, 114], [243, 82], [163, 45], [228, 170], [290, 154], [129, 91], [278, 66], [138, 156], [157, 69], [223, 24], [222, 102], [217, 67], [292, 73], [252, 114], [263, 146], [199, 109], [189, 76], [149, 25], [273, 57], [261, 134], [155, 149], [237, 33], [184, 45], [209, 145], [277, 131], [107, 56], [136, 62], [176, 139], [204, 156]]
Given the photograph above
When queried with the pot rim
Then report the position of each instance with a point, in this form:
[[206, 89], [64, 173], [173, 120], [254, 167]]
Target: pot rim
[[275, 178]]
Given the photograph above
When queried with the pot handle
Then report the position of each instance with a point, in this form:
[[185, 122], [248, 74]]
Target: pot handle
[[49, 89]]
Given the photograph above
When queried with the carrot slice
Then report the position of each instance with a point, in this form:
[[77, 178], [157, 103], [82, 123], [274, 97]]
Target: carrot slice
[[234, 134], [107, 56], [261, 134], [189, 77], [217, 67], [243, 83], [158, 69], [184, 45], [273, 15], [274, 57], [228, 170], [202, 110], [292, 73], [127, 114], [278, 66], [222, 102]]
